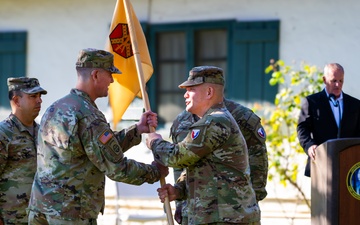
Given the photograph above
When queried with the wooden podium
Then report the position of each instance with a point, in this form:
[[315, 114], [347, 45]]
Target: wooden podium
[[334, 200]]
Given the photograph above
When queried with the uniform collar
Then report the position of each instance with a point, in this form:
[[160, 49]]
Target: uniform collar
[[19, 125], [83, 95]]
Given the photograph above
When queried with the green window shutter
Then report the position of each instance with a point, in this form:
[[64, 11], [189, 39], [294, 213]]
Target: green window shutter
[[12, 60], [244, 51], [176, 48], [253, 45]]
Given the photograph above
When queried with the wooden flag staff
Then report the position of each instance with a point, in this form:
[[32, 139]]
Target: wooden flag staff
[[143, 92]]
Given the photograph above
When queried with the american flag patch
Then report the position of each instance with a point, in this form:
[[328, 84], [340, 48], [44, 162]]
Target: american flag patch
[[105, 137]]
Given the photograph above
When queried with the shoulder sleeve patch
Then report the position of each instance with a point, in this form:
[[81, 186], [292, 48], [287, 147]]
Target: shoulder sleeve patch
[[111, 148], [105, 137], [195, 133], [196, 136], [261, 132]]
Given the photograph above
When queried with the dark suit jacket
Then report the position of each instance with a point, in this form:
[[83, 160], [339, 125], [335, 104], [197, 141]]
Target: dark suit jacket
[[317, 122]]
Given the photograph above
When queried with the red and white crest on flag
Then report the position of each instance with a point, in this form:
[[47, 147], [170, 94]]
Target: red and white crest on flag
[[120, 40]]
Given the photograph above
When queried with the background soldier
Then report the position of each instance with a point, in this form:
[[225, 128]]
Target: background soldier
[[18, 134]]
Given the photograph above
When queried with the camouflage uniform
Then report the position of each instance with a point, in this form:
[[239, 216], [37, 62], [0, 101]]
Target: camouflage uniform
[[76, 148], [17, 169], [218, 187], [17, 158], [254, 134]]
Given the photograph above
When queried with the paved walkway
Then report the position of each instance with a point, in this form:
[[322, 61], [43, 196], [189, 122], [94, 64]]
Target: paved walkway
[[281, 206], [139, 210]]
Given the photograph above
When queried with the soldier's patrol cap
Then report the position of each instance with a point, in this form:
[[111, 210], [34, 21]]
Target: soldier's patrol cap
[[204, 74], [94, 58], [25, 84]]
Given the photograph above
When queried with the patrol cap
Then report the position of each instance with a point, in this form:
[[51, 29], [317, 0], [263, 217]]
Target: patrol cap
[[25, 84], [94, 58], [204, 74]]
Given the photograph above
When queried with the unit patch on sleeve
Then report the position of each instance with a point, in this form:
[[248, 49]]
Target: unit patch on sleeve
[[261, 132], [195, 133]]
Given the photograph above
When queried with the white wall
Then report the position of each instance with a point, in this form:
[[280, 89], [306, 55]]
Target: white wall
[[318, 31], [57, 30]]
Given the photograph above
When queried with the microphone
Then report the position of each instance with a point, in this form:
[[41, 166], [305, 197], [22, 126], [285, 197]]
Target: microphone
[[332, 100], [336, 104]]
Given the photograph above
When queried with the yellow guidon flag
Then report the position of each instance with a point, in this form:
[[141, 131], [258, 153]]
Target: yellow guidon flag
[[126, 85]]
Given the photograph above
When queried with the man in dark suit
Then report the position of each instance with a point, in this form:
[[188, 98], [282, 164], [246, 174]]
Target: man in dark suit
[[328, 114]]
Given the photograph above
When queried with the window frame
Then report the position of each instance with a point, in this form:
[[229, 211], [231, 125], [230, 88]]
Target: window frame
[[13, 46], [190, 29], [244, 78]]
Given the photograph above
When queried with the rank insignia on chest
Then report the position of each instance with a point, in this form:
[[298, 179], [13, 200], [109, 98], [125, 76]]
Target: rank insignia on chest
[[195, 133]]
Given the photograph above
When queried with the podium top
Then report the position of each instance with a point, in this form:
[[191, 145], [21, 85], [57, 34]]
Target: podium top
[[339, 144]]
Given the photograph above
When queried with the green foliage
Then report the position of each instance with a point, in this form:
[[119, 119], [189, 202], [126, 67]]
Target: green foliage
[[282, 142]]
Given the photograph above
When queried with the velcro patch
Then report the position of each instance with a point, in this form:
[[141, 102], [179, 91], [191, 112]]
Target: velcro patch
[[195, 133], [261, 132], [105, 137]]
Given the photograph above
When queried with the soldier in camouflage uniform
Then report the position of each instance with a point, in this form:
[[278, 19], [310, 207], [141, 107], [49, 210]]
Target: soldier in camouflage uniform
[[218, 188], [77, 149], [254, 134], [18, 134]]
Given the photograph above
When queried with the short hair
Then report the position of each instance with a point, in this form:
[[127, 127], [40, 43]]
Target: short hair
[[15, 93], [84, 72], [333, 66]]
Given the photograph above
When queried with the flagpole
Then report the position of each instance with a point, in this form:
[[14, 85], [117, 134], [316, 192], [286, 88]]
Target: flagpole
[[143, 92]]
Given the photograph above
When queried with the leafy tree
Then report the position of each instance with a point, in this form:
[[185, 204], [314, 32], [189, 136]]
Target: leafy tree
[[280, 125]]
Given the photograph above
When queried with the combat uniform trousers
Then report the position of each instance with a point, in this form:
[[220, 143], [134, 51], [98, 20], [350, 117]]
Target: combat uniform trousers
[[41, 219], [253, 223]]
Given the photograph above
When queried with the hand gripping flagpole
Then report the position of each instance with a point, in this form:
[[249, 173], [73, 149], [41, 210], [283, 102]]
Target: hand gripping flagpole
[[143, 92]]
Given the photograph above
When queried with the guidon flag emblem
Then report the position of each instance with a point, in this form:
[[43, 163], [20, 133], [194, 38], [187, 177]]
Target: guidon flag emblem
[[120, 40]]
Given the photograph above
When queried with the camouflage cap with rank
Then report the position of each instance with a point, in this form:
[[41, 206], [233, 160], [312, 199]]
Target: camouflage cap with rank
[[25, 84], [204, 74], [94, 58]]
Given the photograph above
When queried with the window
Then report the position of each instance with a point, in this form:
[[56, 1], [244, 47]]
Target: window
[[12, 61], [171, 63], [211, 47], [242, 49], [171, 67]]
